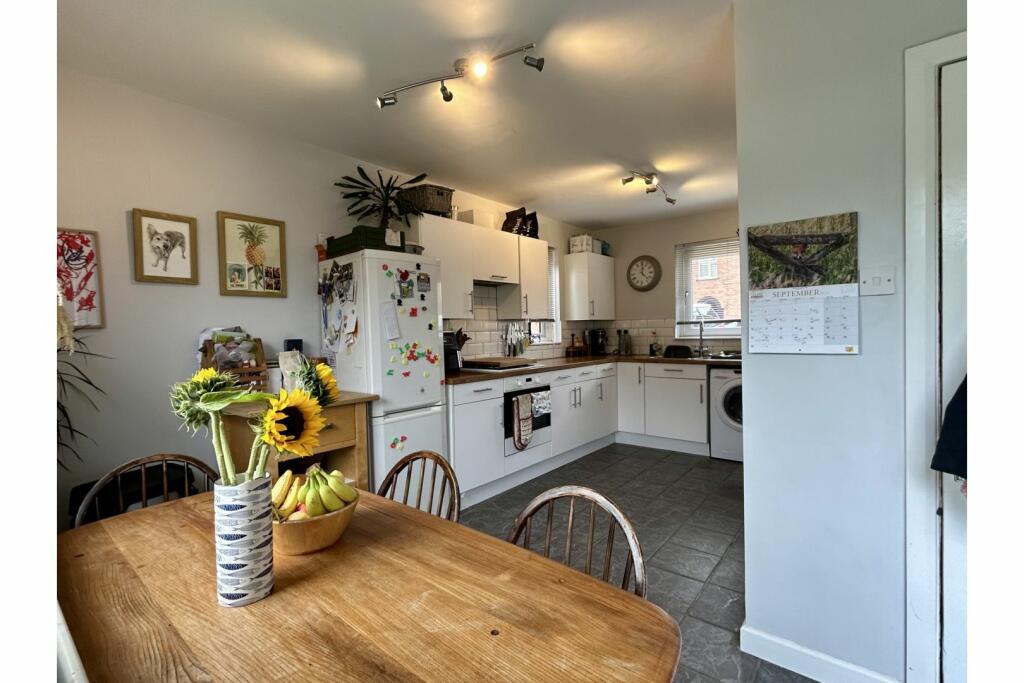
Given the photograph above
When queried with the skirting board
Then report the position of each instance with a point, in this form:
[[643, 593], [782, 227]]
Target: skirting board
[[489, 490], [816, 665], [691, 447]]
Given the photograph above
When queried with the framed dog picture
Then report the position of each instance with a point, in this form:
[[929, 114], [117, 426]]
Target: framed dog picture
[[165, 248], [252, 258]]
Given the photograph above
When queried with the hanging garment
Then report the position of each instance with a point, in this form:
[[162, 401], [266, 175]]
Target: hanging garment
[[523, 416], [951, 450]]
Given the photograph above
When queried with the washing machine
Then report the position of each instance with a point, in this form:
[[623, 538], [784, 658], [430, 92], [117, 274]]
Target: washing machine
[[726, 429]]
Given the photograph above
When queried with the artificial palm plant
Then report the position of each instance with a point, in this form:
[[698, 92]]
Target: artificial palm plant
[[71, 379], [379, 198]]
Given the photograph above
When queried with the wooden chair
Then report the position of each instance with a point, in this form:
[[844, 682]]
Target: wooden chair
[[634, 561], [448, 482], [161, 479]]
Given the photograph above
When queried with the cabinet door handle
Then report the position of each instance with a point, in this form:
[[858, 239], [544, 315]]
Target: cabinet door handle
[[586, 373], [500, 277], [701, 393], [591, 307], [563, 377], [639, 377], [600, 389], [672, 369], [579, 391], [480, 391], [470, 293], [526, 304]]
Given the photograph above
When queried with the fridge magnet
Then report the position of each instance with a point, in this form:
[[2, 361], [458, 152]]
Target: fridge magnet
[[78, 276], [392, 359], [442, 381], [430, 326], [426, 374], [397, 300], [405, 288], [414, 312], [423, 297], [423, 283], [406, 373], [252, 255], [165, 248], [390, 373]]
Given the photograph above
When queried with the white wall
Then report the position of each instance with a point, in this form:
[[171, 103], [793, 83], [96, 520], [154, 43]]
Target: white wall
[[120, 149], [658, 239], [819, 88]]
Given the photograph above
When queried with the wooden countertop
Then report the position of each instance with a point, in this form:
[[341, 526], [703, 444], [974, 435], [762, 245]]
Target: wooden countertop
[[465, 376], [403, 596]]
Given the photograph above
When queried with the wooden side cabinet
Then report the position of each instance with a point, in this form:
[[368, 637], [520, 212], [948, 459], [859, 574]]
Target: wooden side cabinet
[[344, 441]]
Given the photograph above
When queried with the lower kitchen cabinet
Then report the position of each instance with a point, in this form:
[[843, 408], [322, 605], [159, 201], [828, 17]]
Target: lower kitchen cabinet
[[630, 397], [582, 412], [565, 427], [478, 442], [676, 408]]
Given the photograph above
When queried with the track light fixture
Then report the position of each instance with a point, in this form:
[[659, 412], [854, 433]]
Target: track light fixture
[[478, 68], [651, 184]]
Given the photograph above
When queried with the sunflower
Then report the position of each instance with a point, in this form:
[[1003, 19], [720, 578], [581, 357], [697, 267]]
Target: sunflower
[[293, 423], [330, 385], [185, 396], [203, 375]]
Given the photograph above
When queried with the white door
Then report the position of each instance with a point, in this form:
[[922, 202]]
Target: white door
[[601, 274], [575, 285], [495, 256], [953, 274], [396, 436], [409, 358], [478, 442], [452, 242], [564, 426], [676, 409], [630, 397]]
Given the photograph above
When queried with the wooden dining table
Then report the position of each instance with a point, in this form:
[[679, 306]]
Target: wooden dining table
[[403, 596]]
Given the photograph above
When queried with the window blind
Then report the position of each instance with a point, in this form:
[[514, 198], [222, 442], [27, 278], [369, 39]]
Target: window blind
[[687, 255], [553, 303]]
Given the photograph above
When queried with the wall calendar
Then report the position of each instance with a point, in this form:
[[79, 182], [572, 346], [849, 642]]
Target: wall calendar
[[803, 288]]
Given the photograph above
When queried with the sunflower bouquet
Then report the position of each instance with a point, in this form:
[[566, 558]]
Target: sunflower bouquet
[[291, 423]]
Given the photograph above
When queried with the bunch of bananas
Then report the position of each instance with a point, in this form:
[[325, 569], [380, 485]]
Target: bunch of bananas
[[297, 497]]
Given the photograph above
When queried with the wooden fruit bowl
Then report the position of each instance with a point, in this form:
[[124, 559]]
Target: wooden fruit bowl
[[316, 533]]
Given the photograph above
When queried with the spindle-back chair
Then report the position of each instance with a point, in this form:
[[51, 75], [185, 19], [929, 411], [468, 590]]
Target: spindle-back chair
[[449, 483]]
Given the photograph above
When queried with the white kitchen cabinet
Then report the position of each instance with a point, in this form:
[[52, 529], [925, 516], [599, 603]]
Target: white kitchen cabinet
[[631, 397], [565, 428], [607, 397], [588, 286], [478, 442], [529, 299], [452, 242], [495, 256], [676, 408]]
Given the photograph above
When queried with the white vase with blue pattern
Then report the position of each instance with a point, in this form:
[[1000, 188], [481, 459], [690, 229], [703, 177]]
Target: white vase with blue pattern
[[244, 532]]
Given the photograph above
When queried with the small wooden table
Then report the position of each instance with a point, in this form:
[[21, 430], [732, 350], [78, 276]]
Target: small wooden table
[[344, 441], [403, 596]]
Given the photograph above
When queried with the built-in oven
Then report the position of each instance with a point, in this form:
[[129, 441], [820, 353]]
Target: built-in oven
[[539, 419]]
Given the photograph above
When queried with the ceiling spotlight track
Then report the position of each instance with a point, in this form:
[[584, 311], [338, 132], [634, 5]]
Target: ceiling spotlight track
[[651, 183], [463, 67]]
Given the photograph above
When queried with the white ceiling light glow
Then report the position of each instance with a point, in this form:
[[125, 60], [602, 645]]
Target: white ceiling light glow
[[651, 184]]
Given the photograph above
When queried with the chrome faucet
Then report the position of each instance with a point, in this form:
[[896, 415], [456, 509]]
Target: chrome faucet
[[702, 350]]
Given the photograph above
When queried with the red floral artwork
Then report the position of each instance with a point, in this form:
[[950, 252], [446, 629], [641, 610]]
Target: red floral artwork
[[78, 276]]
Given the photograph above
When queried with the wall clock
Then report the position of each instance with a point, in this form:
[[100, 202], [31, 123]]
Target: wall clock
[[644, 273]]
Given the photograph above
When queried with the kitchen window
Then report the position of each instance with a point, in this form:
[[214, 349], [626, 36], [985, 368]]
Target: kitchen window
[[550, 332], [708, 288]]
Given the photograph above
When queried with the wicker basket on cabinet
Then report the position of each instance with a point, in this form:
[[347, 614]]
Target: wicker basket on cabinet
[[254, 375]]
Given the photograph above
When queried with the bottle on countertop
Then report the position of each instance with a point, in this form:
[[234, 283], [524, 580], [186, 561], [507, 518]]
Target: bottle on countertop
[[627, 343], [618, 345]]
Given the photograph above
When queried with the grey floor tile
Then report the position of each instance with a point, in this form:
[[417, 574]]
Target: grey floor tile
[[691, 484], [736, 550], [685, 675], [715, 652], [621, 448], [672, 592], [729, 574], [650, 454], [640, 487], [719, 606], [724, 507], [771, 673], [684, 459], [685, 561], [629, 466], [653, 533], [708, 474], [705, 540], [715, 522]]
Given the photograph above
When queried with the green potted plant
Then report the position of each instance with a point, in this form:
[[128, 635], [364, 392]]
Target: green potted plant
[[380, 198]]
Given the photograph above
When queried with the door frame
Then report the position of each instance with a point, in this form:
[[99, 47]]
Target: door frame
[[921, 353]]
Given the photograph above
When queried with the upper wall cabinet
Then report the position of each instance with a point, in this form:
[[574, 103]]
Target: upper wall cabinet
[[588, 286], [452, 242], [529, 299], [495, 256]]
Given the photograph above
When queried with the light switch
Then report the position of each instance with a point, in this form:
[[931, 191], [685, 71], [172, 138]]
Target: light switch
[[878, 280]]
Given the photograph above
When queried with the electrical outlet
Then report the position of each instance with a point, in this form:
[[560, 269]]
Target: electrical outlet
[[878, 280]]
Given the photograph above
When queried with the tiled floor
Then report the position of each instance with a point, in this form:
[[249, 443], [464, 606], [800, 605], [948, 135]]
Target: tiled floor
[[688, 513]]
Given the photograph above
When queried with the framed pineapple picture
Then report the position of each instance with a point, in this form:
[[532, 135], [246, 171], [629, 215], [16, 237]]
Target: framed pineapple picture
[[252, 256]]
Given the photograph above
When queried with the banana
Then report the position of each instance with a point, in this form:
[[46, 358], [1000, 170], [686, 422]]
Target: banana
[[331, 501], [281, 486], [291, 501], [297, 515], [341, 489], [339, 474], [314, 506], [303, 490]]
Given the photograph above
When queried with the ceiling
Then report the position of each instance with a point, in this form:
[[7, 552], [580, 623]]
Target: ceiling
[[626, 86]]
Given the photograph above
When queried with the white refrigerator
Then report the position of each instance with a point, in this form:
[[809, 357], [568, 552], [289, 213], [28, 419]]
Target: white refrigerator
[[381, 332]]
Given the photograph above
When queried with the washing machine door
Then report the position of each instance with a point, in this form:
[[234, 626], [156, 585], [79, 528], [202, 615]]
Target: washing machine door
[[729, 403]]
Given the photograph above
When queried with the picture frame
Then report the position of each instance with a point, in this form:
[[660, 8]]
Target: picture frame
[[80, 277], [251, 255], [165, 248]]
